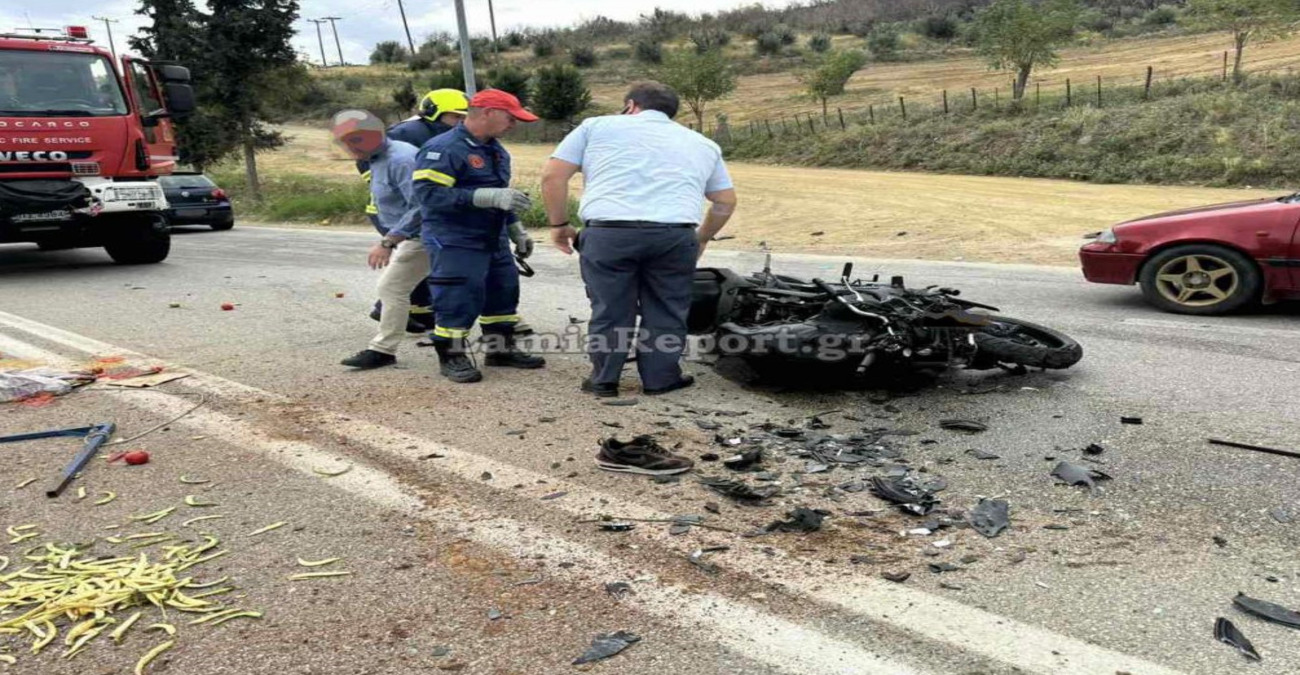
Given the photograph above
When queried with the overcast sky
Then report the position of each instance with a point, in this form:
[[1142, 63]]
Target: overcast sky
[[364, 22]]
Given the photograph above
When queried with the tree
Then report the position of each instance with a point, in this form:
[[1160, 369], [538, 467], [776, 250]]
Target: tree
[[510, 79], [560, 94], [1247, 20], [252, 64], [170, 36], [698, 79], [830, 77], [1020, 35], [819, 42], [388, 51], [405, 97], [583, 56]]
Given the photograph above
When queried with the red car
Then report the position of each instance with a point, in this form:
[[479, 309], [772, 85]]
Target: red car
[[1207, 260]]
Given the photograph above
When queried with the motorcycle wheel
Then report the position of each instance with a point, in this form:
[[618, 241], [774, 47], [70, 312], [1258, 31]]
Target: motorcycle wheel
[[1013, 341]]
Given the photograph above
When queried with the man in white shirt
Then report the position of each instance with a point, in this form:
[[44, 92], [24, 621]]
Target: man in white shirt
[[646, 179]]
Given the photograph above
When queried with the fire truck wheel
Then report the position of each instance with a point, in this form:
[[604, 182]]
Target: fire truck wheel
[[140, 242]]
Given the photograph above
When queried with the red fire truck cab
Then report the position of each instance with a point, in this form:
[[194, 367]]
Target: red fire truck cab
[[82, 140]]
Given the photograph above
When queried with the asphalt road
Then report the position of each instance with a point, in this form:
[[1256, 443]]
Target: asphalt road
[[1128, 577]]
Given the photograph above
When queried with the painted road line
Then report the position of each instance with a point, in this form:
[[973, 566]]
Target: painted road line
[[1029, 648]]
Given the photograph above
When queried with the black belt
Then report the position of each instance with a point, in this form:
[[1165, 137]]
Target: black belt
[[638, 224]]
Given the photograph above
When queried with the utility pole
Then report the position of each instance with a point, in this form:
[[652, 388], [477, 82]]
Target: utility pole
[[335, 28], [108, 27], [466, 51], [410, 43], [321, 41], [496, 51]]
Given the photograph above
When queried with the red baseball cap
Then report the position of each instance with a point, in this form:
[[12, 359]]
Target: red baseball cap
[[495, 99]]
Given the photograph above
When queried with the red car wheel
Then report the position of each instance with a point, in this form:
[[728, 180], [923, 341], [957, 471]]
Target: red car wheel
[[1200, 279]]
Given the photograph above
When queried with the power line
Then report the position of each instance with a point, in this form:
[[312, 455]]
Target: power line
[[108, 26], [335, 28]]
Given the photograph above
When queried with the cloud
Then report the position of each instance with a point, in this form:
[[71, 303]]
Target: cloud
[[366, 22]]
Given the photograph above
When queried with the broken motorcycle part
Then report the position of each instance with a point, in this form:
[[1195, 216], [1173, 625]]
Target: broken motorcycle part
[[982, 454], [745, 460], [896, 577], [990, 517], [617, 526], [697, 558], [1267, 610], [800, 520], [1074, 474], [1256, 448], [619, 589], [1228, 634], [96, 435], [739, 490], [963, 425], [905, 493], [607, 645]]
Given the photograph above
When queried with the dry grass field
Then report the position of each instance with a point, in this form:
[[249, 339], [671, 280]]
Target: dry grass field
[[872, 213]]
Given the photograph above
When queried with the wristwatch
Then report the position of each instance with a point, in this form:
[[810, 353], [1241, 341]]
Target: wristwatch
[[388, 243]]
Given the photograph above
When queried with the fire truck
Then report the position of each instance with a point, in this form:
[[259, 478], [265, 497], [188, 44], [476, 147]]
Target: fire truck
[[82, 139]]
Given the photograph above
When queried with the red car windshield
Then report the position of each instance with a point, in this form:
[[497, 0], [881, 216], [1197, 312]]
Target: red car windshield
[[58, 84]]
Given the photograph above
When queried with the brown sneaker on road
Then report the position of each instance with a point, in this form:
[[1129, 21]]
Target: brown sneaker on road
[[641, 455]]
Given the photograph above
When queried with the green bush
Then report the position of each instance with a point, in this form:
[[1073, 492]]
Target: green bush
[[511, 79], [353, 84], [884, 43], [296, 197], [819, 43], [560, 93], [939, 27], [583, 56], [535, 216], [405, 97], [706, 39], [646, 50], [543, 46], [1161, 17], [768, 44]]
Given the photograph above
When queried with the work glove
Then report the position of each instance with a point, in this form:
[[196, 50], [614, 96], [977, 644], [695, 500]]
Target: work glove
[[523, 242], [506, 199]]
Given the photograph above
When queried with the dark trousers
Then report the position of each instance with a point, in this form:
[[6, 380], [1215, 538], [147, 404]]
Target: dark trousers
[[631, 273], [473, 285]]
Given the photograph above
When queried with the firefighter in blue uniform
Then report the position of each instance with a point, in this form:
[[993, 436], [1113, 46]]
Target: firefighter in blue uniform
[[438, 111], [470, 217]]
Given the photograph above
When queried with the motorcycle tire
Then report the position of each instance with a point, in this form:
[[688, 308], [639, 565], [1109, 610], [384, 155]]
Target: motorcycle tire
[[1012, 341]]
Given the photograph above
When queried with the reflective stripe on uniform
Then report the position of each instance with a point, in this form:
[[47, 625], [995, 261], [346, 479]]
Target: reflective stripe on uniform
[[504, 318], [450, 333], [434, 176], [365, 175], [420, 310]]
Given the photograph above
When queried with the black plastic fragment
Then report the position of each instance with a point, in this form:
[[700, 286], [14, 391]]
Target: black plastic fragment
[[607, 645], [896, 577], [1228, 634], [619, 589], [1074, 474], [739, 490], [708, 425], [617, 526], [1130, 420], [903, 492], [1093, 449], [620, 402], [990, 517], [745, 460], [982, 454], [963, 425], [939, 568], [800, 520], [1267, 611]]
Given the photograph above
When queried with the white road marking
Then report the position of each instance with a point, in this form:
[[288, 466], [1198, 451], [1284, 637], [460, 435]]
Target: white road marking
[[1220, 326], [1029, 648]]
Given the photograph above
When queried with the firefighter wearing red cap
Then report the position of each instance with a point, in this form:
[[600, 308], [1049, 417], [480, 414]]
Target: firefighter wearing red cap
[[470, 218]]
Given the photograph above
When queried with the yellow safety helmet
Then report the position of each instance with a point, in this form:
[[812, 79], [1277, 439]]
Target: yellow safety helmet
[[435, 103]]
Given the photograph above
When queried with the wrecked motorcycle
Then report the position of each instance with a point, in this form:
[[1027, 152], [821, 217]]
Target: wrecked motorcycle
[[774, 322]]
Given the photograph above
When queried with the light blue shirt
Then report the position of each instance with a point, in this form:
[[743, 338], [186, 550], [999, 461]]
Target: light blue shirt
[[643, 167], [390, 183]]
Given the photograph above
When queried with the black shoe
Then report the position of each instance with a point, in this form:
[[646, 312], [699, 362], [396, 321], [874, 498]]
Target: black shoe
[[686, 381], [600, 389], [502, 352], [415, 327], [640, 455], [369, 358], [455, 364]]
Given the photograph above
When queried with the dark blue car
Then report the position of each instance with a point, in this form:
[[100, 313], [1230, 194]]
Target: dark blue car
[[193, 199]]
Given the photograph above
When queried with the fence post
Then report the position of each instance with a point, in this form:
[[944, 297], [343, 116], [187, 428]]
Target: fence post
[[784, 129], [1038, 94], [902, 105], [871, 110], [841, 112], [997, 99], [1146, 92], [1225, 66], [812, 128], [1099, 91], [768, 124], [1069, 93], [945, 101], [974, 99]]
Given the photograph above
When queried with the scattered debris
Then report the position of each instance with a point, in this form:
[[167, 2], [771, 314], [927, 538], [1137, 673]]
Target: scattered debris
[[939, 568], [620, 402], [982, 454], [697, 558], [22, 385], [227, 307], [951, 587], [136, 457], [554, 495], [1093, 449], [1228, 634], [963, 425], [745, 460], [990, 517], [1074, 474], [146, 380], [619, 589], [708, 425], [1221, 542], [904, 492], [1130, 420], [617, 526], [96, 436], [1281, 515], [1267, 610], [1256, 448], [896, 577], [331, 474], [740, 490], [494, 614], [800, 520], [607, 645]]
